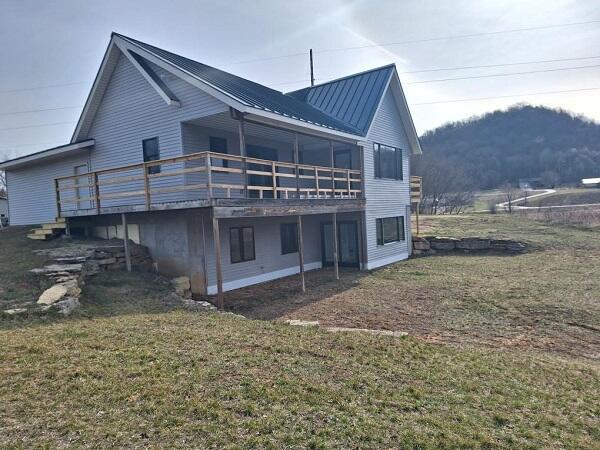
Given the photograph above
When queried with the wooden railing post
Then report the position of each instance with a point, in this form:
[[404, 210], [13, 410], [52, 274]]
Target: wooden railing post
[[297, 162], [209, 175], [57, 194], [317, 181], [348, 179], [274, 176], [146, 187], [97, 192]]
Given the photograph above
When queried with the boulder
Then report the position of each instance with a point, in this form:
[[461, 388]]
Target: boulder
[[58, 268], [442, 243], [423, 245], [106, 261], [473, 244], [516, 247], [67, 306], [12, 312], [53, 294], [73, 289], [182, 286]]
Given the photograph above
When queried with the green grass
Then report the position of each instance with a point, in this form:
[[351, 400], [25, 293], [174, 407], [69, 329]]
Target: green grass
[[568, 197], [132, 369]]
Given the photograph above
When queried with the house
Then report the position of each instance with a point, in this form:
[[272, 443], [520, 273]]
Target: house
[[3, 211], [227, 181], [590, 182]]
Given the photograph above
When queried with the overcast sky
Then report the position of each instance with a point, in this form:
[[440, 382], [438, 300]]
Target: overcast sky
[[63, 41]]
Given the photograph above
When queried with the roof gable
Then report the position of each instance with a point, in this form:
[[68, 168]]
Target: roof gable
[[353, 99]]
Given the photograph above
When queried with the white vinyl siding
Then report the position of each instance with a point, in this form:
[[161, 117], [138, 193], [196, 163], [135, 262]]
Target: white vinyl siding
[[32, 198], [385, 197]]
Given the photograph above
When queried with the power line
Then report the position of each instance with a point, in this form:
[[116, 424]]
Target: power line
[[459, 36], [42, 87], [505, 96], [485, 66], [38, 110], [37, 126], [415, 41], [503, 74]]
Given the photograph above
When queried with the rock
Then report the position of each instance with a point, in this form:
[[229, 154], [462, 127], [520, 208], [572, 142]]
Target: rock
[[473, 244], [192, 304], [302, 323], [516, 247], [73, 289], [58, 268], [369, 331], [67, 306], [421, 245], [53, 295], [442, 243], [71, 259], [12, 312], [106, 261], [182, 286], [499, 244]]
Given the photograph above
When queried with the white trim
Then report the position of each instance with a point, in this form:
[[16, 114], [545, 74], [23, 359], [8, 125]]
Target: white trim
[[243, 282], [385, 261], [44, 154], [403, 109], [171, 101]]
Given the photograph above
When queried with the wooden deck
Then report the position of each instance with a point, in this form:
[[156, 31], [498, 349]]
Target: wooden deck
[[234, 185]]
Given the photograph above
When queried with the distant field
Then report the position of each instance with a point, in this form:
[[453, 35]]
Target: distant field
[[567, 197]]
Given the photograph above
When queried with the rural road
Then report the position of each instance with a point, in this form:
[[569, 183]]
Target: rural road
[[540, 193]]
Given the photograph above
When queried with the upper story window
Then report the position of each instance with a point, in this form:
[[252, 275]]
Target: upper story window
[[151, 153], [218, 145], [241, 244], [390, 229], [388, 162], [289, 238]]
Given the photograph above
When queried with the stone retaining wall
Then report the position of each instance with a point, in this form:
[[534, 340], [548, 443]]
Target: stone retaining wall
[[432, 244]]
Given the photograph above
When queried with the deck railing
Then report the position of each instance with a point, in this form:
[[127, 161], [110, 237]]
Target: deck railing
[[203, 175]]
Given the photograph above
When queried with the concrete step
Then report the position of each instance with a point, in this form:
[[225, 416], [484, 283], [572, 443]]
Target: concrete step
[[37, 237], [54, 226]]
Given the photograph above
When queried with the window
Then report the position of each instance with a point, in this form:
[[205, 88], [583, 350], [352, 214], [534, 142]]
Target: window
[[151, 153], [390, 229], [388, 162], [241, 244], [289, 238], [218, 145]]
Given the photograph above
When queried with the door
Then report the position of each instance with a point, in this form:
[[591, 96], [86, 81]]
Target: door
[[347, 243], [257, 151], [83, 191]]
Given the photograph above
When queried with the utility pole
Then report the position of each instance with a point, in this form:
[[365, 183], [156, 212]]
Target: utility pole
[[312, 70]]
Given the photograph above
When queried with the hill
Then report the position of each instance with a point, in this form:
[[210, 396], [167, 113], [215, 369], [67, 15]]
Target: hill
[[521, 142]]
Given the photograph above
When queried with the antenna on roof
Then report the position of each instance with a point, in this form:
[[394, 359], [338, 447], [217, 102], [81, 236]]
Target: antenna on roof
[[312, 71]]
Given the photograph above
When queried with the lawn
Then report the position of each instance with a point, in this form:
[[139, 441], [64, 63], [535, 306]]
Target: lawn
[[132, 369]]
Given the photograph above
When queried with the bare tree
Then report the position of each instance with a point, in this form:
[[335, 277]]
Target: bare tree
[[446, 188], [510, 195]]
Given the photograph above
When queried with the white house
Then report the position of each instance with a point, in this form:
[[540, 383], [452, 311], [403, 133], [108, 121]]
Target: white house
[[225, 180]]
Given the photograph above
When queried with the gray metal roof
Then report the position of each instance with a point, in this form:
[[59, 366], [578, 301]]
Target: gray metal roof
[[249, 92], [353, 99]]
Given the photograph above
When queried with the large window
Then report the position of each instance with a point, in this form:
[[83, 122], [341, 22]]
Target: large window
[[218, 145], [390, 229], [241, 244], [388, 162], [289, 238], [151, 153]]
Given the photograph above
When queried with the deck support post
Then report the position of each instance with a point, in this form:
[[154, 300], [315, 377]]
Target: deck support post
[[67, 227], [301, 253], [126, 242], [336, 269], [217, 240]]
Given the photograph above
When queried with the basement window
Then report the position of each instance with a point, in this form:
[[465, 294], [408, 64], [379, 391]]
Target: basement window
[[388, 162], [289, 238], [390, 229], [151, 153], [241, 244]]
